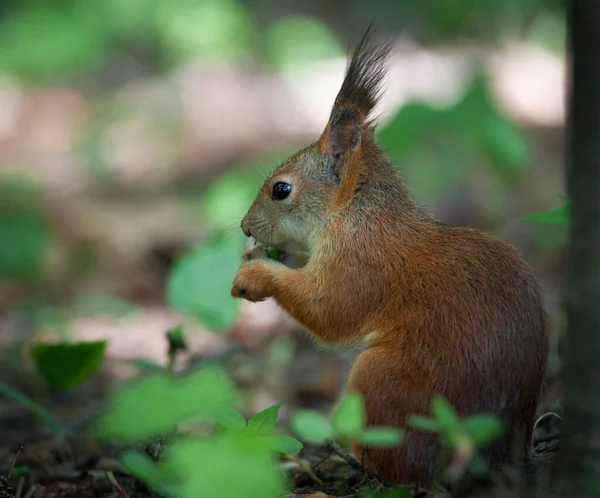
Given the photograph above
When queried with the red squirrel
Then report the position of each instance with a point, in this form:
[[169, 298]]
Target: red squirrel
[[438, 309]]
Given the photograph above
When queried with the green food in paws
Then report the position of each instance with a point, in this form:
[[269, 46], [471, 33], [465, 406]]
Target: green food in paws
[[272, 252]]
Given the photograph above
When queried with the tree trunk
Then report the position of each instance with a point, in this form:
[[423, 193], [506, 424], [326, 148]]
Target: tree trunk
[[576, 471]]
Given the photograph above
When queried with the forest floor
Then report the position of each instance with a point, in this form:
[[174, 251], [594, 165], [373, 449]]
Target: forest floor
[[277, 367]]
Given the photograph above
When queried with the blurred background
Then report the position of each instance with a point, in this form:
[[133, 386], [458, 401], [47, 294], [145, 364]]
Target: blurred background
[[134, 135]]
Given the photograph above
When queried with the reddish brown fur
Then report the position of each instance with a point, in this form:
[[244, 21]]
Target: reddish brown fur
[[443, 310]]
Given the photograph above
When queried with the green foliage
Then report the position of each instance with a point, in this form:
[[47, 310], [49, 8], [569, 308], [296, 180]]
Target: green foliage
[[156, 404], [238, 464], [28, 234], [208, 28], [65, 365], [480, 429], [347, 423], [380, 437], [43, 41], [461, 436], [265, 420], [236, 460], [296, 40], [200, 282], [231, 419], [553, 216], [443, 145], [39, 411], [24, 228], [262, 423], [349, 416], [312, 427]]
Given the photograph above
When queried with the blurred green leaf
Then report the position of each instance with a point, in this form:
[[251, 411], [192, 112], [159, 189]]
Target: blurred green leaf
[[26, 236], [349, 415], [284, 444], [554, 216], [295, 40], [424, 424], [66, 365], [311, 426], [200, 283], [147, 470], [482, 428], [445, 414], [156, 404], [231, 467], [230, 418], [54, 41], [265, 420], [405, 132], [380, 437], [39, 411], [478, 466], [505, 144], [214, 29]]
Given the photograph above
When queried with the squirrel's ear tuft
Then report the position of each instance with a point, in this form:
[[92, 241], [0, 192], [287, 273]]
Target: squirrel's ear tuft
[[358, 96]]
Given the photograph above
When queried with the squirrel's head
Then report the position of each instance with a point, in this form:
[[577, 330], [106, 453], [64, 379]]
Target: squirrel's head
[[300, 194]]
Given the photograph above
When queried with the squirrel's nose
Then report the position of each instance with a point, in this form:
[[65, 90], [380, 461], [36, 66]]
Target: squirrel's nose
[[245, 228]]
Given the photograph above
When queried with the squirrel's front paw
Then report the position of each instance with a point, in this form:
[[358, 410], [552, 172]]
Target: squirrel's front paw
[[253, 282]]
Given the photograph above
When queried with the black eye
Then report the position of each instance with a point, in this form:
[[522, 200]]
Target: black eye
[[280, 191]]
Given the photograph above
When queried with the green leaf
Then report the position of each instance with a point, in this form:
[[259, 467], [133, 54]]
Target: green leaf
[[140, 465], [349, 415], [65, 365], [231, 418], [482, 428], [25, 236], [295, 40], [53, 41], [215, 29], [311, 426], [554, 216], [284, 444], [506, 144], [234, 466], [265, 420], [39, 411], [380, 437], [200, 283], [156, 404], [478, 466], [424, 424], [445, 414]]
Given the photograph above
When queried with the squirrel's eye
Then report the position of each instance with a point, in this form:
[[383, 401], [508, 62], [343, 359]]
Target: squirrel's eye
[[280, 191]]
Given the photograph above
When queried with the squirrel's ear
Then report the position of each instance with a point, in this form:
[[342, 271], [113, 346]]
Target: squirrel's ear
[[357, 97], [342, 132]]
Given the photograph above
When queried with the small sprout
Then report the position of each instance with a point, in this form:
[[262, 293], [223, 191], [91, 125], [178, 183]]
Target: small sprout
[[176, 339]]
